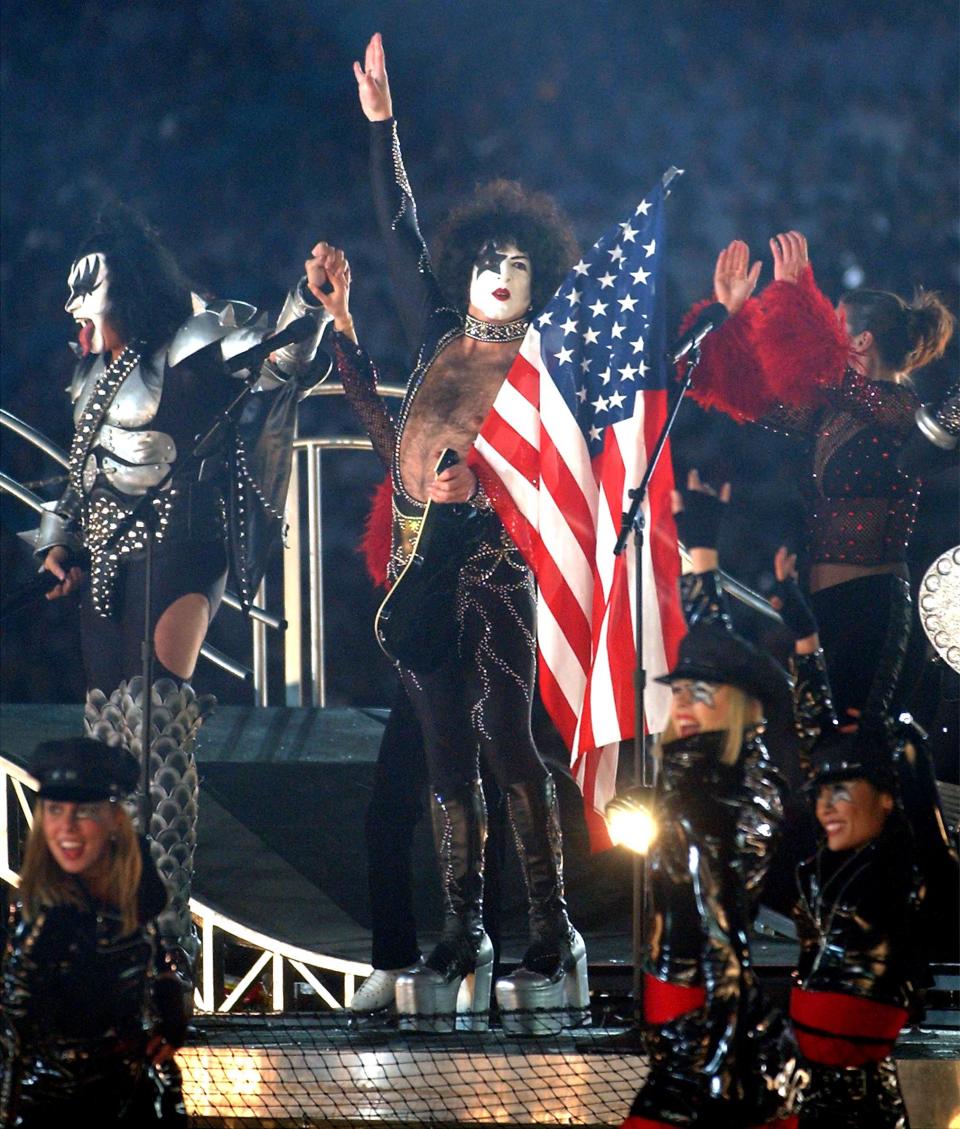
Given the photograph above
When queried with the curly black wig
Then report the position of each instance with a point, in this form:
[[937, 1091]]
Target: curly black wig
[[504, 212], [149, 295]]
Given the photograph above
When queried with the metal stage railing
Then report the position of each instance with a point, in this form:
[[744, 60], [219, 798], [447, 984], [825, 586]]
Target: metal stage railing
[[284, 963], [302, 617]]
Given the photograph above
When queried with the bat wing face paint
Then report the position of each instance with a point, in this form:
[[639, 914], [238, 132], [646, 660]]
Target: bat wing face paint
[[500, 282], [89, 302]]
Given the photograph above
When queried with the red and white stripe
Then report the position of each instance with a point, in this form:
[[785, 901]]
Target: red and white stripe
[[564, 512]]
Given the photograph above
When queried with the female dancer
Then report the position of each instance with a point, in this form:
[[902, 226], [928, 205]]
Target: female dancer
[[712, 1040], [92, 1007], [837, 380]]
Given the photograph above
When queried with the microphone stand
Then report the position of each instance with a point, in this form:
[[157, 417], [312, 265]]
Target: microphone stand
[[634, 520]]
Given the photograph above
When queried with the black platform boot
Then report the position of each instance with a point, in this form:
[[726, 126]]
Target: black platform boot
[[451, 989], [549, 991]]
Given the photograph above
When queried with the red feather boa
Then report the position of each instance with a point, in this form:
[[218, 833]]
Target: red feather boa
[[800, 343], [786, 347], [729, 377], [377, 537]]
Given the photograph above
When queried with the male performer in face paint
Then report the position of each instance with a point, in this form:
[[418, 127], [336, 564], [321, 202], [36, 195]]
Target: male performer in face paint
[[150, 379], [502, 252]]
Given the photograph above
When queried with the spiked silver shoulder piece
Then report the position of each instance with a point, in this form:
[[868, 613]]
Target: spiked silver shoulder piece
[[216, 320]]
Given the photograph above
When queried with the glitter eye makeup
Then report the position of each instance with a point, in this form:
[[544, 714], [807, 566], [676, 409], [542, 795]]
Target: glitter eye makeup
[[837, 793], [705, 692]]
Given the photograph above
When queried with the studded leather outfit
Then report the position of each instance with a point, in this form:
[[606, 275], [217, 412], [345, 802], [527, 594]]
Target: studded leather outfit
[[80, 1001], [861, 959], [487, 688], [713, 1041]]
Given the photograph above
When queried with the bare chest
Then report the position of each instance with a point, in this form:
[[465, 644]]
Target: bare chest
[[452, 402]]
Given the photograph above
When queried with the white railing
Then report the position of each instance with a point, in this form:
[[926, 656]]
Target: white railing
[[271, 960]]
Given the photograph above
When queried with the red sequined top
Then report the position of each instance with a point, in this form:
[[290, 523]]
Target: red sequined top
[[860, 508]]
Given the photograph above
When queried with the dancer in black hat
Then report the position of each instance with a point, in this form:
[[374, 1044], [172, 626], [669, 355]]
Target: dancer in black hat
[[712, 1040], [92, 1009]]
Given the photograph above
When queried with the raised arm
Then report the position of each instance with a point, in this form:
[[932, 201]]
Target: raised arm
[[814, 715], [355, 370], [698, 512], [415, 288]]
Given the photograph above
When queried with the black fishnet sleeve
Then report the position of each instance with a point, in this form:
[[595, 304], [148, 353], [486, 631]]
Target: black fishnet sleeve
[[358, 376]]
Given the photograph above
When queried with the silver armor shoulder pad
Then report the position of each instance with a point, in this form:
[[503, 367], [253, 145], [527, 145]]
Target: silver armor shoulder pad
[[296, 358], [220, 318]]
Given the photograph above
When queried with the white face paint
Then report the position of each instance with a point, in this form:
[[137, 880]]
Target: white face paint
[[500, 283], [89, 301]]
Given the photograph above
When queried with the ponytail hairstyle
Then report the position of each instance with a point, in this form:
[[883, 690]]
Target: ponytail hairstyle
[[907, 335]]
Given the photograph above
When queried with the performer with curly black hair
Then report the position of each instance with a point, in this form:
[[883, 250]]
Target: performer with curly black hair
[[501, 253], [149, 380]]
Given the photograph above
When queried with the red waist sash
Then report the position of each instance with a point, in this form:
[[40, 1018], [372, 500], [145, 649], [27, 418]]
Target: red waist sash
[[839, 1030], [663, 1001]]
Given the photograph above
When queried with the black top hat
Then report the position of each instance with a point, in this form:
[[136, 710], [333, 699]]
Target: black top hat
[[712, 652], [863, 755], [79, 769]]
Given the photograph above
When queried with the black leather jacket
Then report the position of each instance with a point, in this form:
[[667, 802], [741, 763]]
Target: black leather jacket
[[856, 919], [718, 824], [80, 1001]]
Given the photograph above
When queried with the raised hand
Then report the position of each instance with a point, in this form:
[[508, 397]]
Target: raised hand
[[790, 256], [328, 277], [790, 603], [698, 513], [372, 84], [734, 280], [695, 486]]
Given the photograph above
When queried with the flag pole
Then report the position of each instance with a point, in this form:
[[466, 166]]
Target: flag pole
[[634, 520]]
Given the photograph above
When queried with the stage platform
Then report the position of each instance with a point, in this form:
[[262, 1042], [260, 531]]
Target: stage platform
[[283, 795], [313, 1073], [280, 843]]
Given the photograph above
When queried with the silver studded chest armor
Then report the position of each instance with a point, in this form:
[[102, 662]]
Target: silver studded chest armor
[[129, 455], [133, 418], [137, 416]]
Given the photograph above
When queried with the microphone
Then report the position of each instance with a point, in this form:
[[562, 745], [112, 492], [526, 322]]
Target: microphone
[[26, 594], [298, 330], [714, 315]]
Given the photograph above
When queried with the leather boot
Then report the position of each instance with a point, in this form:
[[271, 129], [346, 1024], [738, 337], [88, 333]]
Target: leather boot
[[549, 991], [451, 989]]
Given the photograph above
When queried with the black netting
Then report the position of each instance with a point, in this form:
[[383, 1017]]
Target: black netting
[[322, 1069]]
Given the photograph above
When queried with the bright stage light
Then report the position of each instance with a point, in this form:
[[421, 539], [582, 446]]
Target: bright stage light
[[630, 820]]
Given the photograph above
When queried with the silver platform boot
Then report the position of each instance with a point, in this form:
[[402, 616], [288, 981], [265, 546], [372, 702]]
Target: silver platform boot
[[176, 716], [450, 990], [549, 991]]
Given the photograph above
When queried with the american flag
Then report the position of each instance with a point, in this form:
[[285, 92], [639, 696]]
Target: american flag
[[566, 439]]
